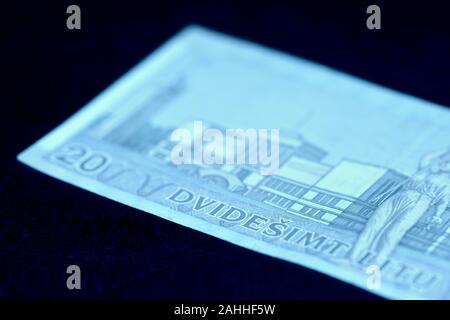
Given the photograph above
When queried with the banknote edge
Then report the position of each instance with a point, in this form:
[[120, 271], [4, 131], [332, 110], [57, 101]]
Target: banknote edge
[[31, 159]]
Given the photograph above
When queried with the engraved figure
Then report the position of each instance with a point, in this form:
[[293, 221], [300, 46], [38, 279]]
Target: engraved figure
[[428, 188]]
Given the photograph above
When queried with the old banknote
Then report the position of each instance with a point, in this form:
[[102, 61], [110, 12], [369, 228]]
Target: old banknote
[[326, 170]]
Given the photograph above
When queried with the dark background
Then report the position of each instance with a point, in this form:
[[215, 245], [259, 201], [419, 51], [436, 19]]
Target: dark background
[[49, 72]]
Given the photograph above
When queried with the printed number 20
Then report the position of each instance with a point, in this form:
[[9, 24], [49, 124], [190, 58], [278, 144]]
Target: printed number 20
[[82, 158]]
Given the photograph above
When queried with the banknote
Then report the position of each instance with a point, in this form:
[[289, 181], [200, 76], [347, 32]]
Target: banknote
[[318, 167]]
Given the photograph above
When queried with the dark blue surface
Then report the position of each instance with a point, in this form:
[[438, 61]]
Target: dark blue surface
[[46, 225]]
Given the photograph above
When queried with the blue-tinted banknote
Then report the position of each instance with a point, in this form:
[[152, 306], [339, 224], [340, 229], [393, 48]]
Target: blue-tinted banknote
[[360, 186]]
